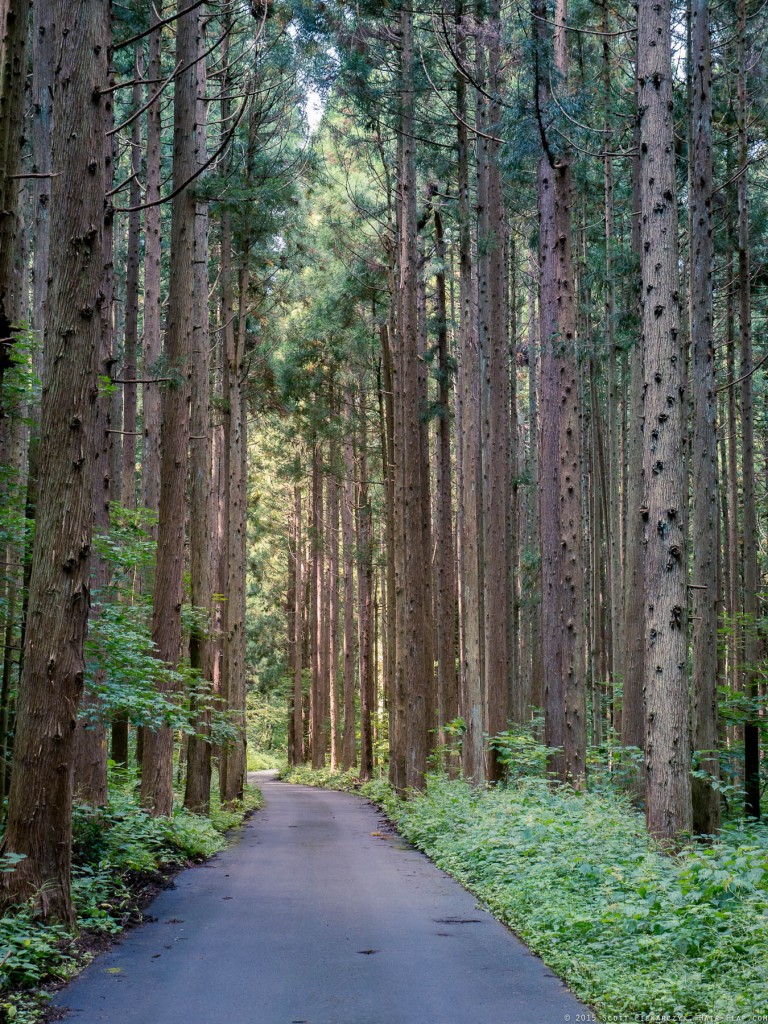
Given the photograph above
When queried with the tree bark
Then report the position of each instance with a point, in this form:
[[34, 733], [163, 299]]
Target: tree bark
[[349, 744], [13, 75], [751, 636], [705, 527], [202, 549], [470, 498], [365, 621], [559, 458], [667, 750], [157, 753], [40, 803], [445, 564], [417, 671]]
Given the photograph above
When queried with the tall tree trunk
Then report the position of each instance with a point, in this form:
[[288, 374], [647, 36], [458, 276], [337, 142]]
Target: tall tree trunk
[[445, 566], [130, 359], [365, 621], [40, 804], [749, 553], [470, 498], [705, 532], [232, 762], [633, 637], [90, 771], [13, 76], [298, 622], [349, 757], [559, 460], [317, 704], [417, 669], [534, 519], [667, 750], [495, 406], [157, 753], [332, 489], [151, 347], [202, 550]]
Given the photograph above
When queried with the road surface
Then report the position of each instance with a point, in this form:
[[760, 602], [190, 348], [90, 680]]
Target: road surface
[[319, 914]]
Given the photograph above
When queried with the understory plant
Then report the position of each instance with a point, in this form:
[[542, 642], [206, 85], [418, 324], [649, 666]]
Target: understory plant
[[636, 933], [120, 852]]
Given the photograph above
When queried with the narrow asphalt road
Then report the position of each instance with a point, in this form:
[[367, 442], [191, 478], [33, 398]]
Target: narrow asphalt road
[[318, 915]]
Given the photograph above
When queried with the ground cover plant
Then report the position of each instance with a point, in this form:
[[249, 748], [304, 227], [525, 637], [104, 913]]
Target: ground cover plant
[[121, 857], [636, 933]]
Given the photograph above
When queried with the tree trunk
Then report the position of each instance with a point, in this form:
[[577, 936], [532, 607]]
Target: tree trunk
[[667, 750], [364, 598], [157, 753], [317, 707], [298, 622], [445, 565], [332, 490], [40, 804], [90, 772], [13, 76], [495, 405], [559, 459], [131, 335], [417, 671], [705, 531], [633, 660], [471, 596], [749, 552], [202, 550], [349, 758]]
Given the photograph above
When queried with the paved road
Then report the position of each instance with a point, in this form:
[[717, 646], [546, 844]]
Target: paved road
[[318, 915]]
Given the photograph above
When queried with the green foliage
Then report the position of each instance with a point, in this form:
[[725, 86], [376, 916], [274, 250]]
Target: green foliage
[[520, 754], [116, 850], [633, 931]]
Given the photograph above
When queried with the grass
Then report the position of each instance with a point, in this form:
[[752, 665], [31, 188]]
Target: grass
[[121, 856], [636, 934]]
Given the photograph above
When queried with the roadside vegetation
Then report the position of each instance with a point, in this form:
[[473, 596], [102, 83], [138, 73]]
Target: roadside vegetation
[[636, 933], [122, 856]]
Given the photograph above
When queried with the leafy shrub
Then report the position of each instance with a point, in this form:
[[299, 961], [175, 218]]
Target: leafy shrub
[[113, 848], [634, 932]]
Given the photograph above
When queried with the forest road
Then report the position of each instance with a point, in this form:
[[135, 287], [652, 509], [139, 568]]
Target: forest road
[[318, 914]]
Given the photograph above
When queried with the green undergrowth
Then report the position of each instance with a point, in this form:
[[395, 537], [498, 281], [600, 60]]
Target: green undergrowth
[[635, 933], [121, 857]]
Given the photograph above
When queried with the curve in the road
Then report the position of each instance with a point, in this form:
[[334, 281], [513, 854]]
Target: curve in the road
[[319, 914]]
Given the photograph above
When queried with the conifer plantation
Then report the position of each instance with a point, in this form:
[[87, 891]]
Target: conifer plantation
[[383, 399]]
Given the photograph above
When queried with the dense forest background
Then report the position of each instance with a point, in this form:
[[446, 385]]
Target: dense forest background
[[385, 385]]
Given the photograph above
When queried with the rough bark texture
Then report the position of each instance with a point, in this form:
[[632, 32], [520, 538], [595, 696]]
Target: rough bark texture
[[364, 601], [13, 74], [445, 561], [559, 456], [705, 530], [317, 709], [151, 341], [349, 752], [298, 622], [90, 774], [470, 494], [495, 403], [667, 750], [417, 671], [332, 486], [749, 552], [157, 753], [202, 551], [633, 707], [131, 334], [39, 819]]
